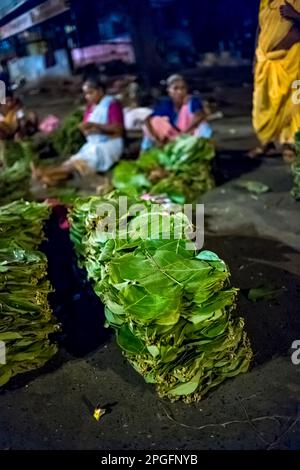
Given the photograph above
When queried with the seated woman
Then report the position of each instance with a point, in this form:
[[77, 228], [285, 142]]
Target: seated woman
[[103, 129], [180, 113], [12, 115]]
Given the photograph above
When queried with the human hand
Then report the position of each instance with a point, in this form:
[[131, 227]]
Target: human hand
[[161, 142], [288, 12], [88, 128], [83, 126]]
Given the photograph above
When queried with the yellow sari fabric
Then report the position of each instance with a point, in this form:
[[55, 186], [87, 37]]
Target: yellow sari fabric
[[275, 116]]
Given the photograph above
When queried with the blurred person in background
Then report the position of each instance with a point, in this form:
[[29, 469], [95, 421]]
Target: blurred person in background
[[179, 113], [103, 129], [276, 118]]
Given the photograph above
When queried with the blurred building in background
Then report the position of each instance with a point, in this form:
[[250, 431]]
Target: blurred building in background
[[59, 36]]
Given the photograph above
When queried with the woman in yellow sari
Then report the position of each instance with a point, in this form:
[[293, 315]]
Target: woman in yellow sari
[[276, 115]]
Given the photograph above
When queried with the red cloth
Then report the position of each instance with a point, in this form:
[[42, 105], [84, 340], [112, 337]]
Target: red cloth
[[61, 212], [115, 113]]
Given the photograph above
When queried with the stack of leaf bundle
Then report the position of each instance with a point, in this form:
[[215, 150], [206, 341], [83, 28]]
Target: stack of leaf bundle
[[181, 170], [171, 307], [15, 172], [21, 224], [68, 139], [26, 319], [296, 169]]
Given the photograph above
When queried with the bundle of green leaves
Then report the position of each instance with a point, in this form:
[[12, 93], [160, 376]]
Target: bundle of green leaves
[[25, 316], [21, 224], [296, 169], [171, 307], [15, 173], [68, 139], [181, 170]]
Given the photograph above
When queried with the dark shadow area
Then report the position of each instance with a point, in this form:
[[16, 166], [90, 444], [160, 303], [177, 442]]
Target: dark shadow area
[[21, 380], [76, 307], [272, 325], [231, 164]]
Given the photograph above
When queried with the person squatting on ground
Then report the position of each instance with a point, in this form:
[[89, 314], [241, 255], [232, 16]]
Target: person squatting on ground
[[103, 129], [179, 113]]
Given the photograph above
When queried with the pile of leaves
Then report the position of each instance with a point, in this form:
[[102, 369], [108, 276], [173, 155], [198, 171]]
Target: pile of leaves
[[296, 169], [68, 139], [171, 307], [26, 319], [15, 172], [21, 224], [64, 142], [181, 170]]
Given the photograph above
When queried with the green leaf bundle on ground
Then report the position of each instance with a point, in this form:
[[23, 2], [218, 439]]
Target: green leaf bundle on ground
[[21, 224], [68, 139], [296, 169], [172, 308], [15, 172], [26, 319], [181, 170]]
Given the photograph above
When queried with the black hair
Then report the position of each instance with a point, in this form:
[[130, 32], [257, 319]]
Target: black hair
[[95, 83], [175, 78]]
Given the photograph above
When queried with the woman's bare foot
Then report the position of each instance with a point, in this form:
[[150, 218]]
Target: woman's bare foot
[[36, 172], [254, 153], [267, 150]]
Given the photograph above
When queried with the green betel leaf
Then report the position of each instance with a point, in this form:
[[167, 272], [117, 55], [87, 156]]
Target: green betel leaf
[[144, 307], [153, 350], [179, 269], [187, 388], [128, 341], [127, 175], [130, 267], [215, 329], [10, 335], [207, 256], [263, 293], [113, 319], [178, 247], [253, 186], [150, 159]]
